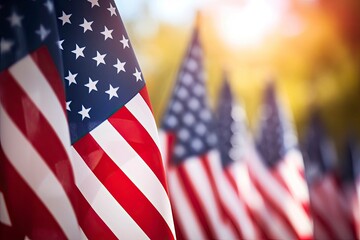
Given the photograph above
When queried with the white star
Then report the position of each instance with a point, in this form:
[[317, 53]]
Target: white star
[[49, 5], [137, 74], [112, 92], [112, 10], [91, 85], [120, 66], [94, 3], [78, 51], [99, 58], [65, 18], [107, 33], [86, 25], [68, 106], [71, 78], [15, 20], [43, 32], [5, 45], [60, 42], [84, 112], [125, 42]]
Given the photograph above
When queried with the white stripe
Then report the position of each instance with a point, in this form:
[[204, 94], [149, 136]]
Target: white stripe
[[82, 235], [141, 111], [163, 139], [103, 203], [33, 169], [33, 82], [230, 199], [182, 207], [289, 171], [126, 158], [203, 189], [4, 214]]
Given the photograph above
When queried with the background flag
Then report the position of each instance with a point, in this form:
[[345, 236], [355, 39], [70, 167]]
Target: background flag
[[282, 182], [348, 197], [194, 167], [114, 143], [229, 129], [325, 192], [237, 147]]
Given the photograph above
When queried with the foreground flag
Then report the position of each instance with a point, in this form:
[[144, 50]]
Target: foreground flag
[[121, 189], [229, 128], [325, 193], [193, 163], [37, 186], [282, 185]]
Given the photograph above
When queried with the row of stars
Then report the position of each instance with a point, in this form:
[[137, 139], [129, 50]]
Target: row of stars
[[86, 25], [7, 44], [99, 58], [72, 77], [112, 92]]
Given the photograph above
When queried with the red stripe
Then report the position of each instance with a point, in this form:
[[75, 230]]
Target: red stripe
[[140, 140], [45, 63], [178, 230], [29, 215], [170, 142], [144, 93], [27, 118], [197, 207], [224, 213], [123, 189], [230, 179], [7, 232]]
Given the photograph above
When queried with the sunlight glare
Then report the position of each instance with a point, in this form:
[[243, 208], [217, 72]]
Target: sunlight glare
[[247, 24]]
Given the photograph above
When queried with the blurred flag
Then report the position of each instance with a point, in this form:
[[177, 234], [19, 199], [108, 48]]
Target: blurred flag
[[357, 185], [283, 184], [121, 189], [229, 128], [238, 154], [349, 198], [37, 191], [197, 185], [325, 193]]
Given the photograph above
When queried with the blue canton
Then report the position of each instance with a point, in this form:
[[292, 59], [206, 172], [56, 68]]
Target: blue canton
[[101, 72], [90, 47], [275, 133], [188, 116], [24, 27]]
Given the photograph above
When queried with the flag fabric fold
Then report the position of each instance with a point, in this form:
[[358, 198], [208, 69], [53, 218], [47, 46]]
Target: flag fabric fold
[[105, 180]]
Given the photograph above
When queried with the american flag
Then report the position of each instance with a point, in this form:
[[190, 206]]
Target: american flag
[[198, 188], [238, 154], [325, 193], [114, 152], [356, 169], [348, 197], [230, 130], [280, 177]]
